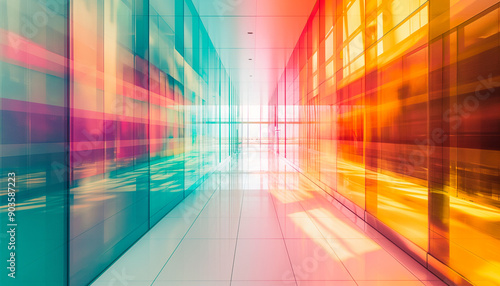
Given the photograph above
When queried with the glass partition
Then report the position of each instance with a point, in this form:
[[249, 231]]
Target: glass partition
[[390, 104], [110, 116]]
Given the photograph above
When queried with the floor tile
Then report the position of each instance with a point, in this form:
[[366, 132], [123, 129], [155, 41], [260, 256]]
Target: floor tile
[[389, 283], [258, 208], [299, 228], [367, 261], [326, 283], [191, 283], [222, 207], [263, 283], [262, 259], [313, 259], [131, 265], [417, 269], [251, 227], [171, 228], [200, 259], [338, 227], [214, 228], [293, 210], [120, 282]]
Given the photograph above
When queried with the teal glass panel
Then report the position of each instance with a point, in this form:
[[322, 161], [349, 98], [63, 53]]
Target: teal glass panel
[[110, 116], [33, 157]]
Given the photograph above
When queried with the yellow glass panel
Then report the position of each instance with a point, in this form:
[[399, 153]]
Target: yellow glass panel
[[329, 47], [354, 17]]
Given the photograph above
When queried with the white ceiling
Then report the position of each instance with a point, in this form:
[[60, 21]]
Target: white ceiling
[[276, 27]]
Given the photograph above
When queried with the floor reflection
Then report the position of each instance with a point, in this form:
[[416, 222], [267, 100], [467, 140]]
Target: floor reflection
[[257, 221]]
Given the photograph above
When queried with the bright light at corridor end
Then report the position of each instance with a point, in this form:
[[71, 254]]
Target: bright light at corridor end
[[113, 112]]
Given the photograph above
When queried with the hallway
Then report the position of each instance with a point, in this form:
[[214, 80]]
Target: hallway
[[257, 221], [250, 142]]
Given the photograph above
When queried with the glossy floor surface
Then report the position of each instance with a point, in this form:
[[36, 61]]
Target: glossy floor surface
[[257, 221]]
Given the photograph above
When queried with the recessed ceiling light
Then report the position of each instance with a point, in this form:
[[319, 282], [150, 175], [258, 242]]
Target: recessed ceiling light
[[250, 59]]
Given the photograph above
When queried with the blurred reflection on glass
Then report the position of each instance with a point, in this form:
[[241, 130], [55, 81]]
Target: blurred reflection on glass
[[110, 116], [399, 116], [33, 134]]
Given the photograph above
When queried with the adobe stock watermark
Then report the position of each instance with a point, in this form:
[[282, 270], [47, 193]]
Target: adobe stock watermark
[[194, 209], [31, 26], [454, 116], [122, 278], [224, 7], [306, 267]]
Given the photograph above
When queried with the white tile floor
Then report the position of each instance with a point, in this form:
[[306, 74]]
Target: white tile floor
[[249, 226]]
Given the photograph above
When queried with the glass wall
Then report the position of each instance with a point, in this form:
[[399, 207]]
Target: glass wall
[[112, 112], [391, 105], [34, 142]]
